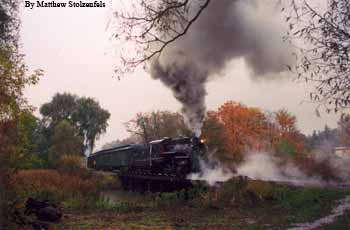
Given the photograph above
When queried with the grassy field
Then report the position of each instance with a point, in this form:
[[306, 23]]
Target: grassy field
[[271, 207]]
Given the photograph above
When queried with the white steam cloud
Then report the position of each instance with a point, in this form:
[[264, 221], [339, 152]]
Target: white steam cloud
[[263, 166], [211, 173]]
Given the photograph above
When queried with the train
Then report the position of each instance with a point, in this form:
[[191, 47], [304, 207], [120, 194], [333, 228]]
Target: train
[[160, 165]]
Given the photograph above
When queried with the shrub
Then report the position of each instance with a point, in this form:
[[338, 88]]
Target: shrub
[[35, 162], [59, 186], [106, 181], [69, 164]]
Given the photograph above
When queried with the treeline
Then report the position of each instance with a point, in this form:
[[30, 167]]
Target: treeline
[[68, 129], [235, 130], [230, 131], [324, 141]]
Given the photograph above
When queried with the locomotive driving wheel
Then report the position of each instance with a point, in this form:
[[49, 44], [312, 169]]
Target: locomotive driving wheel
[[168, 169]]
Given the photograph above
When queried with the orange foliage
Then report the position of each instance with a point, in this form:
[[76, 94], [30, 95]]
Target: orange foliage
[[28, 182], [244, 127], [286, 129], [286, 122], [236, 128]]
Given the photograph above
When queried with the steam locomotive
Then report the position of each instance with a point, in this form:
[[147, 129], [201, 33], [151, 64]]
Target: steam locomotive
[[161, 163]]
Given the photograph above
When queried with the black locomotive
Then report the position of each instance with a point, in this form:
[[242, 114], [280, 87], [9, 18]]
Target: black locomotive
[[160, 163]]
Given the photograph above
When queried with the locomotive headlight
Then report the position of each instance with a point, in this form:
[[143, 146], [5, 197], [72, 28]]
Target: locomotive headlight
[[202, 141]]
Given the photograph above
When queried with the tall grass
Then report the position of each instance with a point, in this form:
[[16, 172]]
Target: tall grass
[[50, 184]]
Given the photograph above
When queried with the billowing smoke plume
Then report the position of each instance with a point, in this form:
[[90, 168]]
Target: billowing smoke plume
[[188, 85], [226, 30]]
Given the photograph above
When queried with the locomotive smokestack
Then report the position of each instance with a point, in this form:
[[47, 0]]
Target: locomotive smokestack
[[226, 30]]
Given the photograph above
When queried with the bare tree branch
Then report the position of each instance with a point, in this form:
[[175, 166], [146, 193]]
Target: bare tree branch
[[153, 26], [324, 57]]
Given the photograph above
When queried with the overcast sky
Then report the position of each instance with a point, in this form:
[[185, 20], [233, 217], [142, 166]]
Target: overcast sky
[[77, 55]]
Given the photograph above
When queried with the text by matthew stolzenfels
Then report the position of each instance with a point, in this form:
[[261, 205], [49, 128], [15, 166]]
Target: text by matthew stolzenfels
[[33, 4]]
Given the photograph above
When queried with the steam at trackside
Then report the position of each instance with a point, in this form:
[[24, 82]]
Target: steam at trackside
[[226, 30]]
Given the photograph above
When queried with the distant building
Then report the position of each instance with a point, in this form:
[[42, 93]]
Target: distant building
[[343, 152]]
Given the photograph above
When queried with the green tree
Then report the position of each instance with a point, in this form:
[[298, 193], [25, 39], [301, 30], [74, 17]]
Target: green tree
[[43, 139], [84, 114], [91, 120], [29, 131], [28, 125], [61, 107], [65, 141]]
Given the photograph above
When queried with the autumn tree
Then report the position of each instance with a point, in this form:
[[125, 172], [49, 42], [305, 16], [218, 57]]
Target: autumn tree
[[14, 78], [287, 138], [323, 38], [84, 114], [213, 132], [286, 123], [157, 125], [244, 127], [236, 129]]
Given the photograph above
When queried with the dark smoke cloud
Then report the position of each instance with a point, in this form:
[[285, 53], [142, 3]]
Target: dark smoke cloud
[[226, 30]]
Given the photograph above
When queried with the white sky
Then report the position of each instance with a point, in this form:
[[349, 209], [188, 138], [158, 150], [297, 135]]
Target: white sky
[[73, 48]]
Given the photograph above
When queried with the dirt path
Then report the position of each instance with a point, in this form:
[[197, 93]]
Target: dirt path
[[339, 210]]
